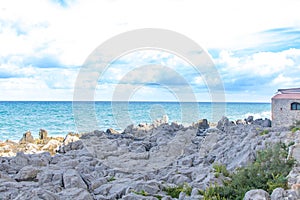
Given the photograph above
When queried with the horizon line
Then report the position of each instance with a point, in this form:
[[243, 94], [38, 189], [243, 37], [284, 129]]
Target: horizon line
[[136, 101]]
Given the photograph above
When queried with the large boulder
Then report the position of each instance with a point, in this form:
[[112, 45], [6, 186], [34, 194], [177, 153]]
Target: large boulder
[[257, 195], [27, 173], [27, 138]]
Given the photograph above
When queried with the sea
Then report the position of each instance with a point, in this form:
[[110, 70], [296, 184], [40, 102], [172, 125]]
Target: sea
[[62, 117]]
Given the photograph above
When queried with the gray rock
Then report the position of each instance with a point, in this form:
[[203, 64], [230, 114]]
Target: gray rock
[[75, 193], [278, 194], [27, 138], [151, 187], [249, 120], [257, 195], [27, 173], [19, 161], [71, 179], [266, 123], [224, 123], [133, 196], [292, 195]]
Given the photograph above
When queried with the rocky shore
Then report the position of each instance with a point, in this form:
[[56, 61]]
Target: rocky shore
[[142, 162]]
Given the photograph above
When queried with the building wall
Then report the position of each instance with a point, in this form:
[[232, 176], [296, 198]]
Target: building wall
[[282, 115]]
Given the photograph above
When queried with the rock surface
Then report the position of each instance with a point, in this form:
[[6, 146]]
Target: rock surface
[[138, 163]]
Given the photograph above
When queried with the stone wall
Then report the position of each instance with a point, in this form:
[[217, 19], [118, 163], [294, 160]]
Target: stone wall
[[282, 115]]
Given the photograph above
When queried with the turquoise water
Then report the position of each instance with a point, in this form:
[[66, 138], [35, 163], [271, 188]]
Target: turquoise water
[[58, 118]]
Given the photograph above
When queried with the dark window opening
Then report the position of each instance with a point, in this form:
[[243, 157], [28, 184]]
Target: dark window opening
[[295, 106]]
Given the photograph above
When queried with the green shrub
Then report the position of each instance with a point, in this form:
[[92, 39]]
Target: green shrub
[[175, 191], [268, 172], [111, 179], [264, 132], [295, 129], [220, 169]]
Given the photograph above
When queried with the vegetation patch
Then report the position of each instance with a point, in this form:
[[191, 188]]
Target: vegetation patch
[[221, 169], [264, 132], [295, 129], [111, 179], [175, 191], [144, 193], [269, 171]]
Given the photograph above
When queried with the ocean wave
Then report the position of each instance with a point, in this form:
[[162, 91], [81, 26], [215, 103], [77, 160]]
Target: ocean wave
[[263, 115]]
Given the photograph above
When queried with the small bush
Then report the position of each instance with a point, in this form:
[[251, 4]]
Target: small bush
[[268, 172], [220, 169], [264, 132], [175, 191]]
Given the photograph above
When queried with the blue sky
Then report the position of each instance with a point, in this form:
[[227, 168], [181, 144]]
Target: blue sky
[[255, 46]]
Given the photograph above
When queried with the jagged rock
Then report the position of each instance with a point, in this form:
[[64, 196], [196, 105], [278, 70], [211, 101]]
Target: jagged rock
[[43, 134], [72, 179], [19, 161], [151, 187], [39, 160], [75, 193], [257, 195], [143, 158], [27, 138], [54, 177], [249, 120], [224, 123], [128, 129], [27, 173]]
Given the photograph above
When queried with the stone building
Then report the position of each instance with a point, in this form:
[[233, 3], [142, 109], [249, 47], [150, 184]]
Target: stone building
[[286, 107]]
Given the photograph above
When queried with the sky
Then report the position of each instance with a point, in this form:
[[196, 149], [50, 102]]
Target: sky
[[255, 46]]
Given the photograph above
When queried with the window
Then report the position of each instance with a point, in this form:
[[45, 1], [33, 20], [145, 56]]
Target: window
[[295, 106]]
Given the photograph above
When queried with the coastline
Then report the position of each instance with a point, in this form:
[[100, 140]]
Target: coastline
[[145, 157]]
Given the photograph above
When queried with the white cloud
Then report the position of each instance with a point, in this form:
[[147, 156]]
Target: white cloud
[[41, 29], [259, 64]]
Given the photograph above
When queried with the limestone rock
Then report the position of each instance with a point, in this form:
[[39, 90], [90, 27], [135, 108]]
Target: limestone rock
[[278, 194], [27, 173], [257, 195], [71, 179], [27, 138], [75, 193]]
